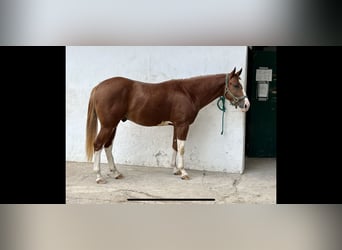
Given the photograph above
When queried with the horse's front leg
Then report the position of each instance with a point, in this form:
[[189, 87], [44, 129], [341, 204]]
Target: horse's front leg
[[176, 171], [180, 147], [181, 137]]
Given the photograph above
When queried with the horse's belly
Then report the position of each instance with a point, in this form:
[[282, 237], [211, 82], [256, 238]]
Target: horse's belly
[[151, 123], [149, 119]]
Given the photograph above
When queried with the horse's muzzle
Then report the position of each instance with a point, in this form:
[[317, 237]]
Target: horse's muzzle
[[244, 105]]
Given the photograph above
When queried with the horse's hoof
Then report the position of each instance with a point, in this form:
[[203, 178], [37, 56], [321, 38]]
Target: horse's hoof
[[119, 176], [178, 172], [101, 181], [185, 177], [115, 175]]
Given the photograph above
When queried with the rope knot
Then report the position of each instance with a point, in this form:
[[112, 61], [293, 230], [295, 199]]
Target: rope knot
[[221, 104], [222, 100]]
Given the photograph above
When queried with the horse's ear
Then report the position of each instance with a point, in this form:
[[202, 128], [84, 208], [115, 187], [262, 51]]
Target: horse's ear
[[233, 72], [239, 72]]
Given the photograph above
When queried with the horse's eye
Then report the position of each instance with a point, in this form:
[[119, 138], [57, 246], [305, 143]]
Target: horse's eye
[[236, 86]]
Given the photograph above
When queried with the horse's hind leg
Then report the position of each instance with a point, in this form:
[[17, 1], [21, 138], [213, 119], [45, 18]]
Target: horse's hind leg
[[100, 140], [108, 149], [176, 170]]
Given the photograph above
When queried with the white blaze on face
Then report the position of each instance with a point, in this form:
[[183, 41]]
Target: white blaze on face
[[246, 104]]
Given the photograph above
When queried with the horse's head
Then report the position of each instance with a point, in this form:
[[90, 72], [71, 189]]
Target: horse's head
[[234, 91]]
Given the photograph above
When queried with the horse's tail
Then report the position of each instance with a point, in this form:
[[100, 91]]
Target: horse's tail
[[91, 127]]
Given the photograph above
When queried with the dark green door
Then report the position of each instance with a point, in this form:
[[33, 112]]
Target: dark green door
[[262, 93]]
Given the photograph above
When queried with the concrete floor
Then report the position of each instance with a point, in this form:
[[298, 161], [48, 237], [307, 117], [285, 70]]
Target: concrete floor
[[256, 185]]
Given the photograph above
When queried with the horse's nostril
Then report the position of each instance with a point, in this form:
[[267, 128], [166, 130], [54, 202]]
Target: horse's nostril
[[245, 106]]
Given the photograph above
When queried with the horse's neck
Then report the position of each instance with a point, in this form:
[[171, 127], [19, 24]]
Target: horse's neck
[[204, 91]]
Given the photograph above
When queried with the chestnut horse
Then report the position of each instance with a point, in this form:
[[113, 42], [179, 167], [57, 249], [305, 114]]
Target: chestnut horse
[[174, 102]]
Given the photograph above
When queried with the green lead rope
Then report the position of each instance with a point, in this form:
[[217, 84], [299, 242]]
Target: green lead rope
[[222, 108], [222, 100]]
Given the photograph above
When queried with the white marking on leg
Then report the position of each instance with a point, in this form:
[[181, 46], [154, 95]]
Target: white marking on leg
[[97, 168], [180, 148], [111, 164], [173, 163], [165, 123], [110, 158]]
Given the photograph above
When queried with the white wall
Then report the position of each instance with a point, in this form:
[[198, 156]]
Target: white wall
[[206, 148]]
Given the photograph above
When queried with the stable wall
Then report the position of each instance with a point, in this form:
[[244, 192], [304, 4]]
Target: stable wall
[[205, 148]]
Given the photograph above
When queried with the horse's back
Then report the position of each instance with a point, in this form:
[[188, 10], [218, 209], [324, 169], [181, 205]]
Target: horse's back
[[114, 84], [148, 104], [112, 88]]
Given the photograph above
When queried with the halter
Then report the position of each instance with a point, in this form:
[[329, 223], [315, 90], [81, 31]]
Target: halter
[[222, 99], [236, 100]]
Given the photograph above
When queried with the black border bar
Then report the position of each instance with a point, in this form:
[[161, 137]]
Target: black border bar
[[171, 199]]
